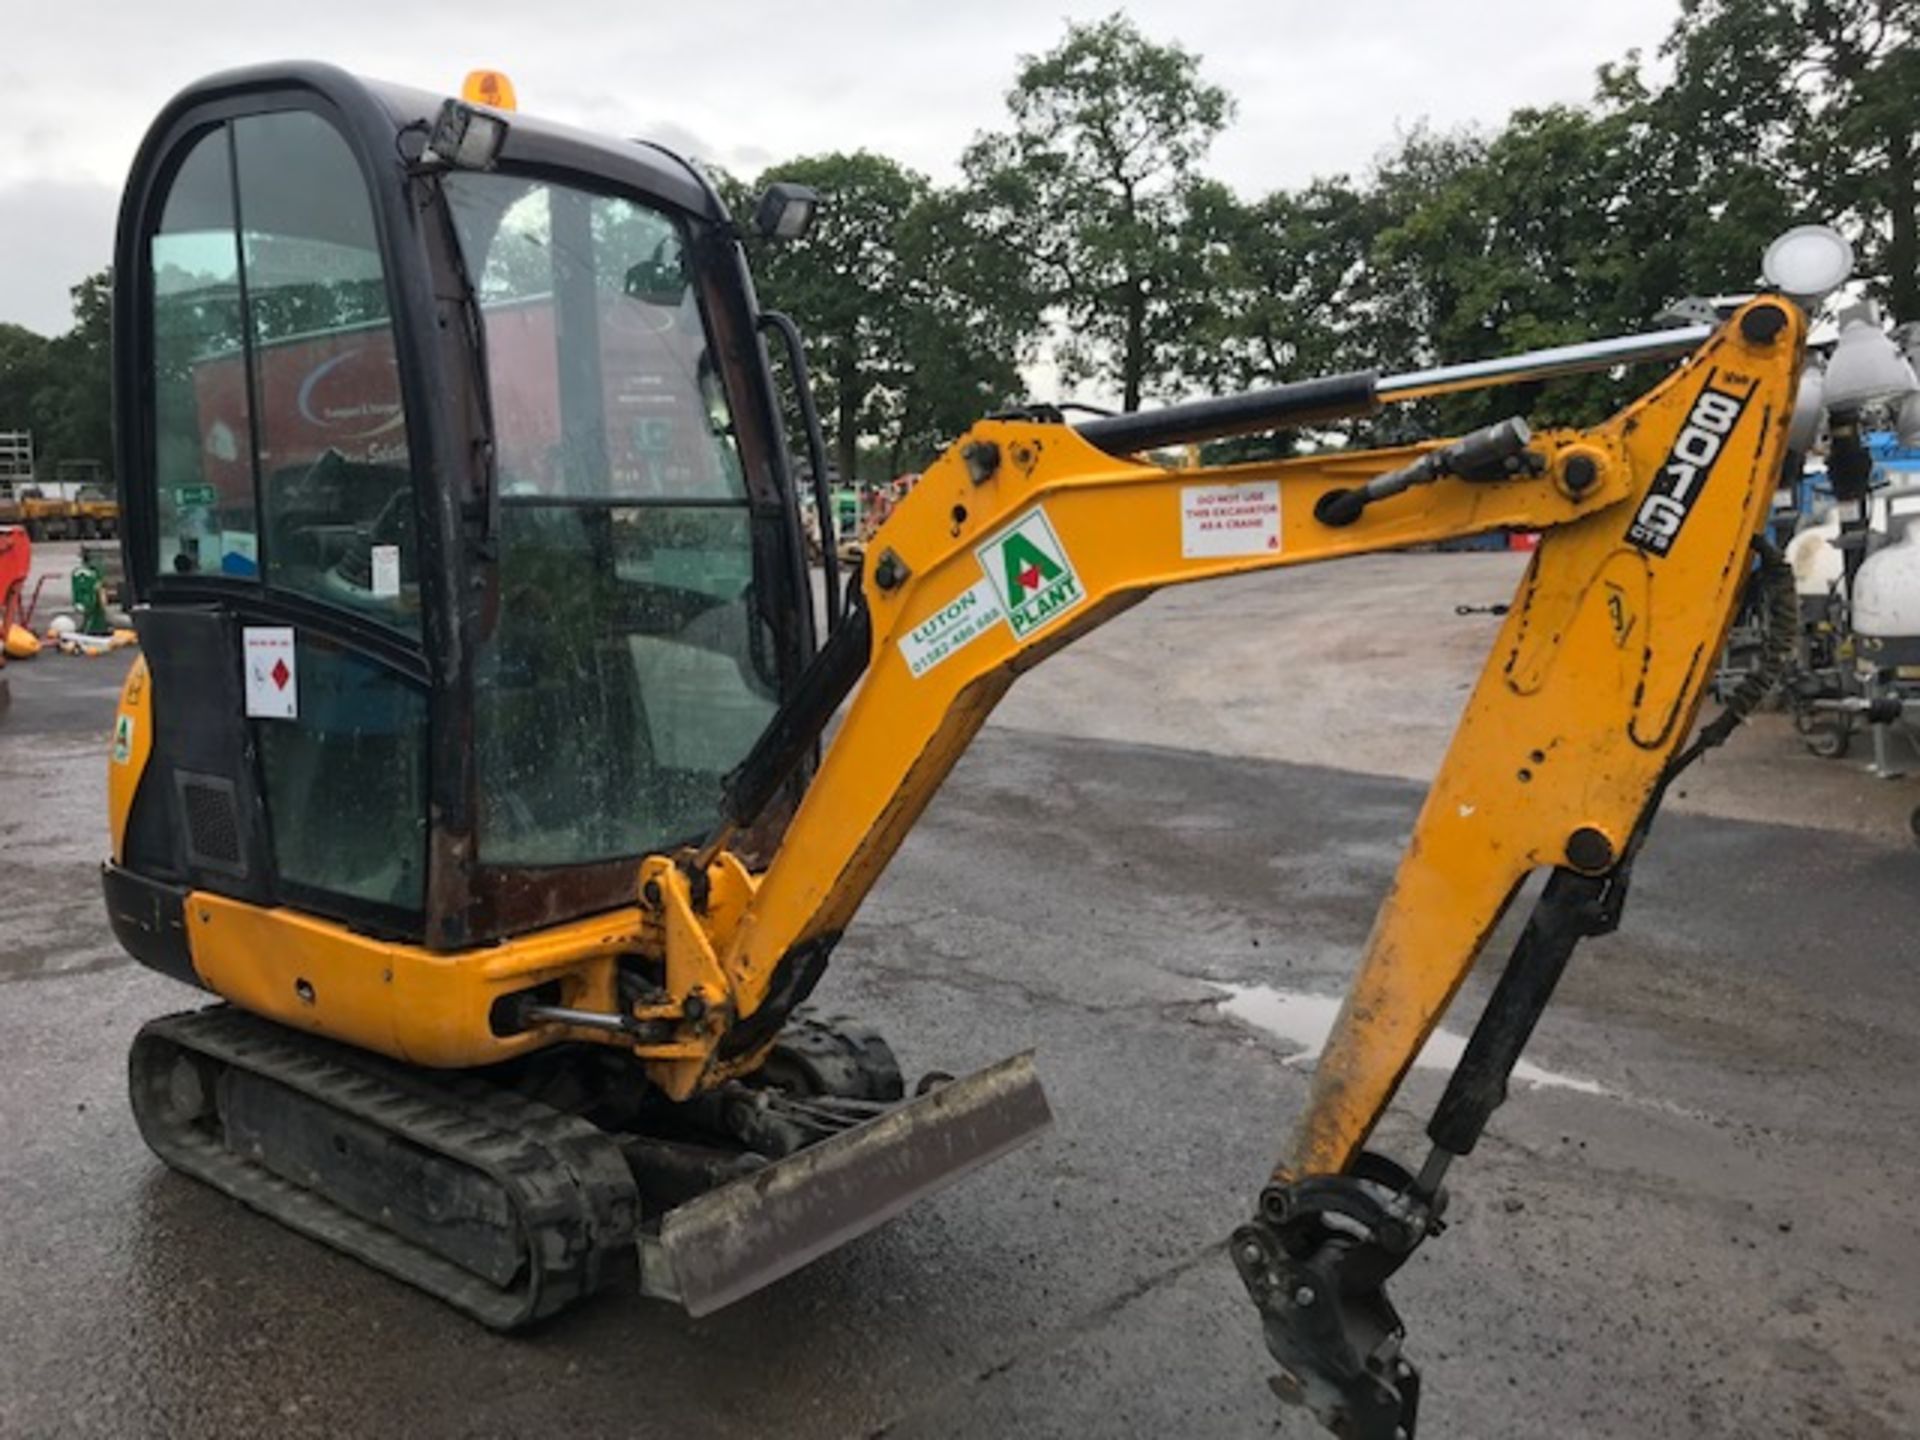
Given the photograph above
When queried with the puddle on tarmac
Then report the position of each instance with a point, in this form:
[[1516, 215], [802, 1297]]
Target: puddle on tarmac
[[1306, 1020]]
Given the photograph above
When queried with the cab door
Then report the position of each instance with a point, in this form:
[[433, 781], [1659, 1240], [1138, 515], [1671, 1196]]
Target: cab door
[[273, 529]]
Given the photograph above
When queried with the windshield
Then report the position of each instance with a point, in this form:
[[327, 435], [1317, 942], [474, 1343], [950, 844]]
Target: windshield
[[627, 667], [602, 383]]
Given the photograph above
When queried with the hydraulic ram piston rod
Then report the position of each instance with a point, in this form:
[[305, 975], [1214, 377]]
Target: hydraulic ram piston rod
[[1339, 397], [1577, 359]]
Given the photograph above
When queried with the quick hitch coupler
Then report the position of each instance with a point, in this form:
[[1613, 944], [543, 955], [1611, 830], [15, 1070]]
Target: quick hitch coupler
[[1316, 1260]]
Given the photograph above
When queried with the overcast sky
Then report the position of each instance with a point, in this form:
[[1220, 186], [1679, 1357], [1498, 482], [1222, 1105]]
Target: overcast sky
[[1322, 87]]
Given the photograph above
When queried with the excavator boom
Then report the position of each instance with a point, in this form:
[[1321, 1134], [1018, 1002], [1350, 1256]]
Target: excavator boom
[[1027, 535]]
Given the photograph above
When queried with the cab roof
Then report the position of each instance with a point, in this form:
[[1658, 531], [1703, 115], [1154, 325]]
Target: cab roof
[[378, 108]]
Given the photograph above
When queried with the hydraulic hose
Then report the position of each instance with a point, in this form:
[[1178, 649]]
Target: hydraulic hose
[[1772, 585]]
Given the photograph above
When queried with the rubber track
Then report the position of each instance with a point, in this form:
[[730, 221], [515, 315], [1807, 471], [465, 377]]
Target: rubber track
[[566, 1181]]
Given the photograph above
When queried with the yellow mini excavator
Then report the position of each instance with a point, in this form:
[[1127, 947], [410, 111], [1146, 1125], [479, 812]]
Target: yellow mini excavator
[[475, 760]]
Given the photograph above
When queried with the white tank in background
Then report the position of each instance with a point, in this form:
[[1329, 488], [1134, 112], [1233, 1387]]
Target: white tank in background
[[1817, 567], [1886, 598]]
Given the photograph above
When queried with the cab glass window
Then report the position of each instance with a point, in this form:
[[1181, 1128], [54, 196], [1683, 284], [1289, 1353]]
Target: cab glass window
[[603, 384], [336, 492], [626, 666], [346, 781], [202, 440]]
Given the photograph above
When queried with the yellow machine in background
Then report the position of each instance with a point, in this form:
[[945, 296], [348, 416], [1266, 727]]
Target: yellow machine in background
[[557, 672], [96, 513]]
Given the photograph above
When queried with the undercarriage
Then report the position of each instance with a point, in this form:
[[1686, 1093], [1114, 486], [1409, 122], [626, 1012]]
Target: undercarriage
[[514, 1192]]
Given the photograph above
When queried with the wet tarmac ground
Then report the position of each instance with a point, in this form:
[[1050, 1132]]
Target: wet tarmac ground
[[1710, 1233]]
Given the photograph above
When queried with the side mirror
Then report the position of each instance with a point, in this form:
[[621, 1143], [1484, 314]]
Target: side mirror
[[661, 279], [785, 211]]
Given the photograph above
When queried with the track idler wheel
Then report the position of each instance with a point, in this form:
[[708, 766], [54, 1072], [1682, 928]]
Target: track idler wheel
[[833, 1058]]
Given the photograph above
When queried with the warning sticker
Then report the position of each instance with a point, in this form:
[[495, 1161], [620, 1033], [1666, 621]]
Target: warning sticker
[[386, 571], [1217, 520], [1030, 573], [970, 615], [273, 689]]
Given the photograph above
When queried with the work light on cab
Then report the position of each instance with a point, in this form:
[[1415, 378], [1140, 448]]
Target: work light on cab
[[785, 211], [464, 137]]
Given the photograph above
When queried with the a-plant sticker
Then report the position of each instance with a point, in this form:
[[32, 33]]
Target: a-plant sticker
[[1030, 572]]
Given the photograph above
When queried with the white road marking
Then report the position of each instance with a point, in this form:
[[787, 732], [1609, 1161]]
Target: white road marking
[[1306, 1020]]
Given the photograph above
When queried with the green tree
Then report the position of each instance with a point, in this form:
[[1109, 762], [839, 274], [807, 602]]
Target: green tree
[[916, 324], [968, 322], [25, 370], [1574, 221], [1286, 280], [61, 389], [1514, 243], [1822, 92], [846, 285], [1091, 188], [1569, 223], [77, 406]]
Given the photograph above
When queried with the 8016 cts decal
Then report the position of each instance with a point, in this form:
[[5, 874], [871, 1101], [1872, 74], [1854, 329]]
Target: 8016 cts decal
[[1690, 463]]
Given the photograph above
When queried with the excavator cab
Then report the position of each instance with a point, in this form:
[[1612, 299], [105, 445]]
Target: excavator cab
[[466, 563], [460, 516]]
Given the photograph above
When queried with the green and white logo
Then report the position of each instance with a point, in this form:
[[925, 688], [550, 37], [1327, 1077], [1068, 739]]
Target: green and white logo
[[1031, 574], [123, 739]]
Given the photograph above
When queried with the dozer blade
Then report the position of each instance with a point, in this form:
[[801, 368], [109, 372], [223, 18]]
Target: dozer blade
[[731, 1241]]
